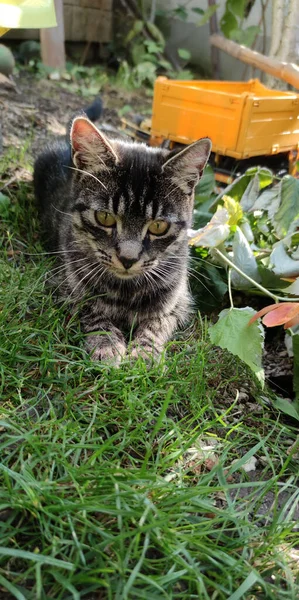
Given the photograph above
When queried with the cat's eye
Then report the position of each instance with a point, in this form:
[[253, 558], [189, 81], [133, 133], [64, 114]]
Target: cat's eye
[[158, 227], [104, 218]]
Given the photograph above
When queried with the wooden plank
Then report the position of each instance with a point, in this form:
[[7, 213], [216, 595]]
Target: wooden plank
[[87, 24], [98, 4], [52, 41]]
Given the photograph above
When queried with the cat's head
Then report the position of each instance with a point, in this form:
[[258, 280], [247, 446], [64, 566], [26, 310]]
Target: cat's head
[[132, 204]]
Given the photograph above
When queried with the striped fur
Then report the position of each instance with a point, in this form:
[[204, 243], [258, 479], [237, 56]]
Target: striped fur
[[131, 281]]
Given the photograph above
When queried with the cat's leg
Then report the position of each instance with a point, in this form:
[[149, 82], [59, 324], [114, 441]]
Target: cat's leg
[[104, 342], [151, 336]]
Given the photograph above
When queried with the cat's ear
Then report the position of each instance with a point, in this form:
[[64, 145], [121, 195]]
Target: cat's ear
[[90, 148], [186, 166]]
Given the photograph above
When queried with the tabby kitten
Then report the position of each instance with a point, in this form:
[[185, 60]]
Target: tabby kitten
[[117, 213]]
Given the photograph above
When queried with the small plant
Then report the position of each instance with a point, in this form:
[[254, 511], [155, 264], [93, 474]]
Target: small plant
[[254, 235]]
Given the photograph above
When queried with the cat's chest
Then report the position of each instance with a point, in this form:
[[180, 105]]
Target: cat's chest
[[125, 309]]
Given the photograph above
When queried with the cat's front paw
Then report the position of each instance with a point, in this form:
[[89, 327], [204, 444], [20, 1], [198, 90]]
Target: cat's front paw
[[149, 353], [105, 351]]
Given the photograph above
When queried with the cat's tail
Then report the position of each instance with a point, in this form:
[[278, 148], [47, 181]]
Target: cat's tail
[[94, 110]]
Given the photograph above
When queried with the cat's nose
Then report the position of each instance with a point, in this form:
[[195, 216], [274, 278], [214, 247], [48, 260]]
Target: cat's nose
[[127, 262]]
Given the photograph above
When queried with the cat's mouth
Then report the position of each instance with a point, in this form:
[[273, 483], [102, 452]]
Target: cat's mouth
[[123, 274]]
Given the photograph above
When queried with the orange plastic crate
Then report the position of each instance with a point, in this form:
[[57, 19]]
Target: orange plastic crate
[[243, 119]]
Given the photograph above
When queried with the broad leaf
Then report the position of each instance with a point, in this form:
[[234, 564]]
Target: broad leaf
[[265, 175], [235, 189], [251, 193], [247, 231], [198, 11], [181, 13], [200, 218], [184, 54], [207, 15], [271, 281], [228, 23], [156, 33], [293, 289], [208, 283], [269, 200], [296, 368], [232, 332], [237, 7], [206, 184], [215, 232], [234, 210], [136, 29], [288, 211], [288, 408], [4, 205], [246, 36], [281, 263], [243, 258]]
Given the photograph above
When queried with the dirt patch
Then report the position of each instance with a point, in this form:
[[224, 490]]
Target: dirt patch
[[39, 110]]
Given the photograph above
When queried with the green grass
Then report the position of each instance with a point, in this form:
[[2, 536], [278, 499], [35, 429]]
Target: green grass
[[106, 491]]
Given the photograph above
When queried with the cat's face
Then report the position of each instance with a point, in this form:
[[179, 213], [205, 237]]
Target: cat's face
[[132, 204]]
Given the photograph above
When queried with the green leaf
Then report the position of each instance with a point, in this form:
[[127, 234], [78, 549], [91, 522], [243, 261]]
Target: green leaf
[[36, 557], [124, 110], [136, 29], [233, 333], [288, 408], [207, 15], [269, 280], [293, 289], [198, 11], [295, 339], [268, 200], [237, 7], [207, 183], [200, 218], [152, 47], [237, 188], [208, 284], [184, 54], [265, 176], [288, 211], [250, 581], [4, 205], [156, 33], [251, 193], [181, 12], [243, 258], [282, 264], [259, 179], [249, 35], [15, 592], [228, 23], [215, 232]]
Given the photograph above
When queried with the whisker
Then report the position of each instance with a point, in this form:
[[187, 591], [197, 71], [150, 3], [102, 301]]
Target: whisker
[[92, 270], [61, 211], [202, 283], [60, 268], [75, 273], [149, 280], [86, 173]]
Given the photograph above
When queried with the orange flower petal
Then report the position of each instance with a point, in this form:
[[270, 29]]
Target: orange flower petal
[[292, 322], [282, 314], [265, 310]]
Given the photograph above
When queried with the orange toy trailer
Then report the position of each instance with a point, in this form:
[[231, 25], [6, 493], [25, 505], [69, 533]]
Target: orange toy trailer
[[245, 121]]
